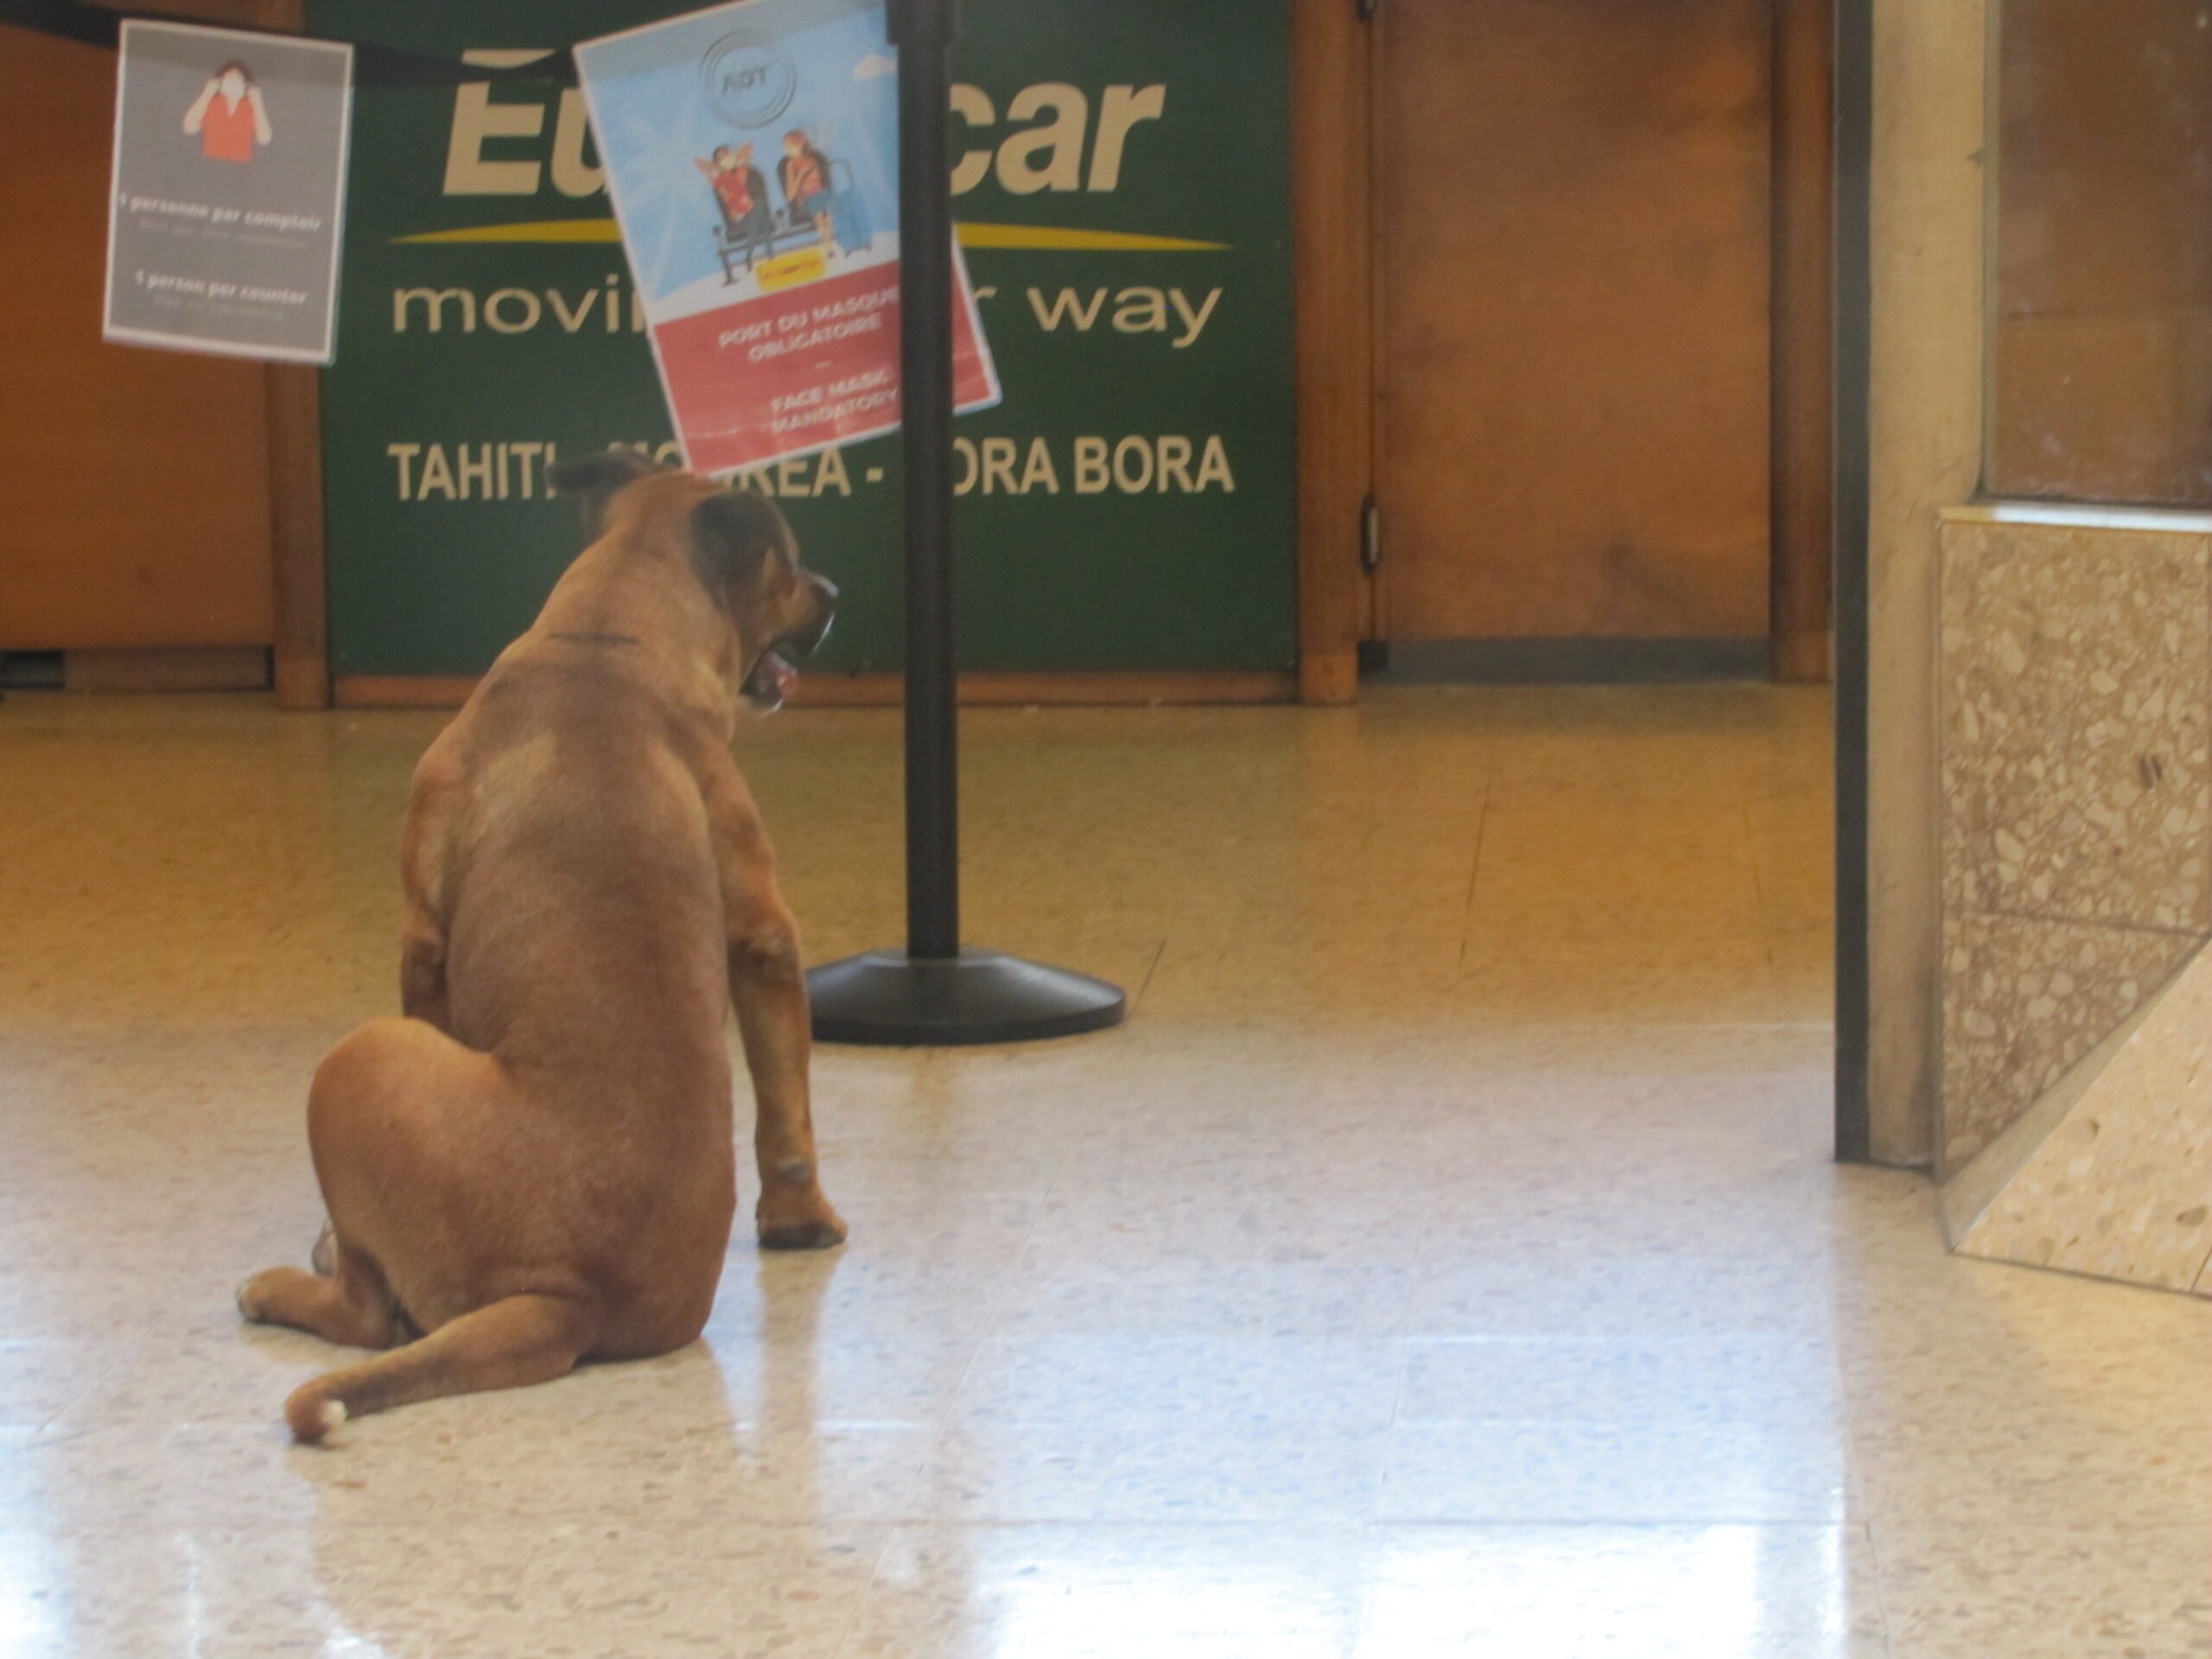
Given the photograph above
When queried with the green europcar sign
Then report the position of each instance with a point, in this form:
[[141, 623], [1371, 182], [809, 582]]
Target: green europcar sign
[[1123, 181]]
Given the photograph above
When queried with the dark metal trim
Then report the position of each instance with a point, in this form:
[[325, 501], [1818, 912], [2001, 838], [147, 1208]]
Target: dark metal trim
[[1571, 662], [1854, 105], [374, 64]]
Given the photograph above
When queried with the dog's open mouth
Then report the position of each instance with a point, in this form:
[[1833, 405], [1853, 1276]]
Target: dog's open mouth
[[772, 680], [775, 675]]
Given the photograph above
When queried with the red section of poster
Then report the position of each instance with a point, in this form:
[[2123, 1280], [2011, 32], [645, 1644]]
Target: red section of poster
[[813, 365]]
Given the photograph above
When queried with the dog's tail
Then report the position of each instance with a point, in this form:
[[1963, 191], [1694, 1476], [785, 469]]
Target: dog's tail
[[508, 1344]]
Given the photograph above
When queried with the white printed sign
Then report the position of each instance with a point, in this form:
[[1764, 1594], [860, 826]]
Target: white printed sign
[[229, 192]]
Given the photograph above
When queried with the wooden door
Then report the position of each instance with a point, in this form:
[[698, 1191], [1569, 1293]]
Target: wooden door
[[1573, 318], [134, 484]]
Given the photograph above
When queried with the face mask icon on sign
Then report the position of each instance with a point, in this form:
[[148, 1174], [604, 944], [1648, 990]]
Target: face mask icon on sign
[[228, 117]]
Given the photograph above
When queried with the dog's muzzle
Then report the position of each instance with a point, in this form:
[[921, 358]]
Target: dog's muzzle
[[777, 673]]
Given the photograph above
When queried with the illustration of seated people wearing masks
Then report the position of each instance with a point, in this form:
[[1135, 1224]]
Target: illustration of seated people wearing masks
[[741, 191], [227, 117], [804, 174]]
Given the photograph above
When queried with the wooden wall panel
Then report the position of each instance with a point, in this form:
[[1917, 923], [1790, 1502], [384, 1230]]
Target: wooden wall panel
[[1334, 235], [134, 493], [1804, 336], [1575, 304], [300, 552], [2102, 383]]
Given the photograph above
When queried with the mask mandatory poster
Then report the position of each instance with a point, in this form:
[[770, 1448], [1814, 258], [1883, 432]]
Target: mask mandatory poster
[[752, 152], [229, 192]]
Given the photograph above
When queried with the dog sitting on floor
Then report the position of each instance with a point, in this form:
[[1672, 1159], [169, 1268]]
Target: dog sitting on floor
[[534, 1166]]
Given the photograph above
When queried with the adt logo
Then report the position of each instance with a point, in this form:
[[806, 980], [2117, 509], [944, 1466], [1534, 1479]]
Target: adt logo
[[748, 78]]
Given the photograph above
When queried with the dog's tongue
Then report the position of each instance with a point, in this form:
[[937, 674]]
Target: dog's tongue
[[781, 674]]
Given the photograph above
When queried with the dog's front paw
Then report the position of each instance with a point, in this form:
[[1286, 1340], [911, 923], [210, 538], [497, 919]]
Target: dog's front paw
[[811, 1226]]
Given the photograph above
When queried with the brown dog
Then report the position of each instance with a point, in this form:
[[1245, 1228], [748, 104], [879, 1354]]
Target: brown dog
[[534, 1166]]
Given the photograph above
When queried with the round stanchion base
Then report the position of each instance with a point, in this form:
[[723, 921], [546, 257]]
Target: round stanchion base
[[886, 998]]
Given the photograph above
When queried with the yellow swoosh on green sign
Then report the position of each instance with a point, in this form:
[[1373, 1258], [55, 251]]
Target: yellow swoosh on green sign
[[1074, 241], [542, 230], [1050, 237]]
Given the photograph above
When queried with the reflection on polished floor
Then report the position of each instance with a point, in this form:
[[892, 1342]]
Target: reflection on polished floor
[[1444, 1261]]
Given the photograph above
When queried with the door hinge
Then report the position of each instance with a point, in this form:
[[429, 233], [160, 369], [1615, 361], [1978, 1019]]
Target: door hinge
[[1370, 534]]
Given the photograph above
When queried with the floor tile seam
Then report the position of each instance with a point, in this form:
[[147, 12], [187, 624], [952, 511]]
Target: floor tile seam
[[85, 1395], [1876, 1413], [1785, 1343], [362, 1598], [1847, 1424], [1223, 1523], [1352, 1531], [1151, 1422], [1575, 1523], [1162, 1427], [2054, 1513], [1474, 874], [1248, 1023], [1432, 1332], [908, 1508], [1769, 925], [1880, 1574], [2047, 1495], [1874, 1576], [1403, 1354], [1042, 1197], [878, 1585], [1771, 1364], [1522, 1027], [1826, 1426], [993, 1323], [1152, 969], [1688, 1519], [848, 1627]]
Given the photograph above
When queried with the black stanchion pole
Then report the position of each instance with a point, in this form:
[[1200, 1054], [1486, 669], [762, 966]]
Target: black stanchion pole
[[923, 31], [936, 992]]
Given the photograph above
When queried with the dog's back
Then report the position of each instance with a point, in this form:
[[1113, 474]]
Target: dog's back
[[565, 840]]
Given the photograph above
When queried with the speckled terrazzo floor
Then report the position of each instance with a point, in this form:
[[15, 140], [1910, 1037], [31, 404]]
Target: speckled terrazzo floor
[[1445, 1260]]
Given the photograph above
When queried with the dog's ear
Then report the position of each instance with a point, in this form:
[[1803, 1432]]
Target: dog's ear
[[597, 479], [733, 533]]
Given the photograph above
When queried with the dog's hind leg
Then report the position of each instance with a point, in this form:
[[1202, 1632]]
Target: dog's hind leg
[[507, 1345], [353, 1305], [423, 978], [423, 859]]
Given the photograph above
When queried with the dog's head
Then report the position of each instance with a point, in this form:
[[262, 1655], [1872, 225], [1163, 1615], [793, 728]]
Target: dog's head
[[743, 553], [747, 558]]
